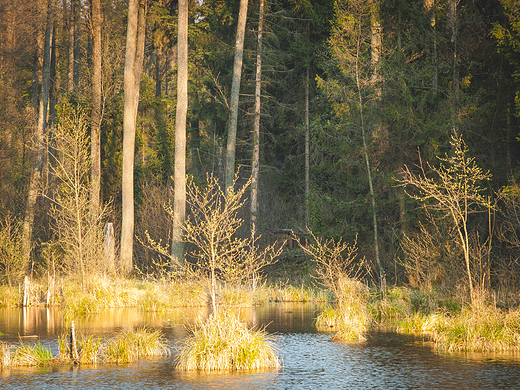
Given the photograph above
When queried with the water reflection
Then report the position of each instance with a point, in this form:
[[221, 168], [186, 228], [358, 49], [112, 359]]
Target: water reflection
[[310, 359]]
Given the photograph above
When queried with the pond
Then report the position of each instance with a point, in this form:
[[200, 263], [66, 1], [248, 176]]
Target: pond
[[310, 360]]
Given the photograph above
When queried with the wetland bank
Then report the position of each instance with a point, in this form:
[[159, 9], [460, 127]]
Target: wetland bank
[[386, 360]]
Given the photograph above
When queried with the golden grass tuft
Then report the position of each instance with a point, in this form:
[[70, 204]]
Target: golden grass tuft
[[5, 354], [105, 292], [10, 296], [420, 323], [223, 342], [482, 328], [31, 354], [350, 317], [130, 346]]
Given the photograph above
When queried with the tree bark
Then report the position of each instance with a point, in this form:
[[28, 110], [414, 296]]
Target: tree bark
[[453, 24], [307, 136], [179, 203], [73, 43], [256, 132], [96, 114], [39, 136], [376, 44], [307, 149], [229, 175], [430, 7], [129, 119]]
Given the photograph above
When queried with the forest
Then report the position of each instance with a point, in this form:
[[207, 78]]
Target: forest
[[390, 124]]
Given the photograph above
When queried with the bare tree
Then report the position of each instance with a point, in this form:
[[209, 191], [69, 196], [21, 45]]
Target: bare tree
[[454, 191], [220, 254]]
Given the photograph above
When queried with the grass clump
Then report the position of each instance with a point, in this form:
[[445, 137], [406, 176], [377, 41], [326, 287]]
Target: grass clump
[[305, 292], [479, 329], [35, 354], [327, 319], [391, 306], [223, 342], [89, 349], [130, 346], [5, 354], [351, 312], [420, 323], [350, 318]]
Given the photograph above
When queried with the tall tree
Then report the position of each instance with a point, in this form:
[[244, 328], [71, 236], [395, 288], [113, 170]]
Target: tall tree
[[96, 114], [354, 83], [256, 130], [430, 7], [133, 68], [72, 69], [39, 135], [179, 203], [229, 174], [453, 23]]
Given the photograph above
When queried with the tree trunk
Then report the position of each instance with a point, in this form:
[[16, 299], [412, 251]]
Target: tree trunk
[[96, 114], [453, 24], [139, 56], [376, 44], [430, 7], [229, 175], [39, 135], [179, 203], [376, 49], [73, 43], [307, 150], [307, 137], [256, 131], [129, 119]]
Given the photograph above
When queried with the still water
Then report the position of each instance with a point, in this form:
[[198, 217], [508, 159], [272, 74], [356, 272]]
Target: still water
[[310, 359]]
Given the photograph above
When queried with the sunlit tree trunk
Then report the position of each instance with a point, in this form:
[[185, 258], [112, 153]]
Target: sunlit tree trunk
[[256, 131], [133, 68], [39, 135], [229, 175], [453, 25], [376, 49], [73, 43], [96, 114], [307, 141], [179, 202], [430, 8], [376, 45]]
